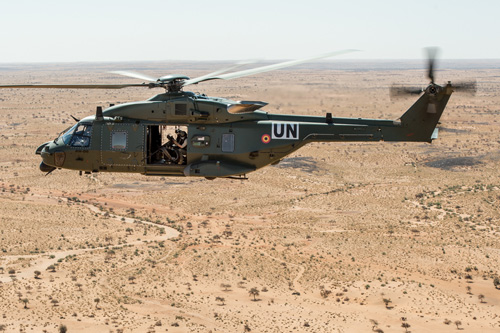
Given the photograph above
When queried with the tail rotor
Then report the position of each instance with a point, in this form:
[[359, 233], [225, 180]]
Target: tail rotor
[[469, 87]]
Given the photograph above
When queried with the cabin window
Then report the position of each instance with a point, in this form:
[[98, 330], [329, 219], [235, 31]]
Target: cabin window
[[228, 143], [81, 135], [119, 140], [180, 109], [200, 141]]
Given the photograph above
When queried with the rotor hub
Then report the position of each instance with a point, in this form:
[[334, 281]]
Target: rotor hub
[[174, 85], [433, 89]]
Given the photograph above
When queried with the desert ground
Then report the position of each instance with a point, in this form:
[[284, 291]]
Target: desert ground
[[338, 237]]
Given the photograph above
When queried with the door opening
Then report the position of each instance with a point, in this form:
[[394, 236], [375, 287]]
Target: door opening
[[166, 144]]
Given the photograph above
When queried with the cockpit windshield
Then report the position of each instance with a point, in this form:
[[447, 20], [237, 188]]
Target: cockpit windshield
[[67, 136], [78, 135]]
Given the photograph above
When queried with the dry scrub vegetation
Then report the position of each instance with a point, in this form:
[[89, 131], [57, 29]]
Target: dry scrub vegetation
[[343, 237]]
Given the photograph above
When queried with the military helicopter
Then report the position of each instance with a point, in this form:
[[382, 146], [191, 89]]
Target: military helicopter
[[218, 137]]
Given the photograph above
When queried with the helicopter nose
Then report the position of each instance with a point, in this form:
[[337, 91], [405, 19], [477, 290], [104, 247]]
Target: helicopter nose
[[40, 148], [48, 159], [46, 168]]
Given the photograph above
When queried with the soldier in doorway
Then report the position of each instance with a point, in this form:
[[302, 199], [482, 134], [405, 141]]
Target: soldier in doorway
[[180, 143]]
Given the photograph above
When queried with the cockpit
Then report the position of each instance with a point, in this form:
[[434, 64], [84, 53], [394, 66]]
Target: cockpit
[[78, 135]]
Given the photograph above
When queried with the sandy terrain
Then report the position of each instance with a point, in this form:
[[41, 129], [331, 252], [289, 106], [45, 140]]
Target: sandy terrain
[[335, 238]]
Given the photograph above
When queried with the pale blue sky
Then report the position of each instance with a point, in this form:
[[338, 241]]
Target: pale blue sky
[[134, 30]]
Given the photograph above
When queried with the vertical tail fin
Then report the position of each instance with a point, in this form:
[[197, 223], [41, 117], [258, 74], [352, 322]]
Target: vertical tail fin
[[422, 117]]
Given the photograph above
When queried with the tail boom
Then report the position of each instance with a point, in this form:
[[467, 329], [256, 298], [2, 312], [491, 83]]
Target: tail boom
[[418, 123]]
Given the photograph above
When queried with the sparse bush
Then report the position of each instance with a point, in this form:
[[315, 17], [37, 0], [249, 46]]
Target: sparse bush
[[226, 286], [325, 293], [220, 299], [25, 301], [496, 282], [254, 292]]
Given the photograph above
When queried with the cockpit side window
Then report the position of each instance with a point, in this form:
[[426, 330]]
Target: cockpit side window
[[81, 135], [68, 134]]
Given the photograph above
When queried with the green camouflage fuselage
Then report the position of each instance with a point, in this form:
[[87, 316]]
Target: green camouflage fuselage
[[225, 138]]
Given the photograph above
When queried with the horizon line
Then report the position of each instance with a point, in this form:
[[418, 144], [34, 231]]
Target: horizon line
[[234, 60]]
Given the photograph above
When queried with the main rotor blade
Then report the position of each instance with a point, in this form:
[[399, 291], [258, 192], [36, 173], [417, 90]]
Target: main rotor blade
[[74, 86], [269, 68], [431, 57], [135, 75], [220, 71]]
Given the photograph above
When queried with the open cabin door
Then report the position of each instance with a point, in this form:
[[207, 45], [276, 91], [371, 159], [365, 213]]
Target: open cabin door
[[166, 145], [153, 144], [163, 156]]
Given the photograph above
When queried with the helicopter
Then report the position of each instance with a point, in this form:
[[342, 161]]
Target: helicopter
[[219, 137]]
